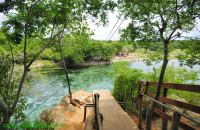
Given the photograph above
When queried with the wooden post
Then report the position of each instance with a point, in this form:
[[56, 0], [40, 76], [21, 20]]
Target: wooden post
[[84, 116], [164, 121], [139, 106], [175, 121]]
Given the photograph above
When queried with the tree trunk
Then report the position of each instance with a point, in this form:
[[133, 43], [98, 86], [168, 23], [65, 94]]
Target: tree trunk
[[5, 113], [65, 68], [19, 90], [162, 73], [6, 120]]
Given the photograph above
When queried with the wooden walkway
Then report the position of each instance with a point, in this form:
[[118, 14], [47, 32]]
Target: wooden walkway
[[114, 117]]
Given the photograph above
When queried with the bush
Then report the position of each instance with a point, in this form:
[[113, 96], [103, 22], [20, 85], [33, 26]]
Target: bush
[[177, 75], [49, 54], [125, 83], [2, 38], [73, 49], [99, 51]]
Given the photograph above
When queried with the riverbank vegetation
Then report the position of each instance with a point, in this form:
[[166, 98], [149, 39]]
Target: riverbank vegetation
[[77, 49], [80, 49], [125, 83]]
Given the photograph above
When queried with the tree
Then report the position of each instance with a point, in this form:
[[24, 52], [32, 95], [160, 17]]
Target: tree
[[7, 5], [44, 19], [191, 55], [160, 20]]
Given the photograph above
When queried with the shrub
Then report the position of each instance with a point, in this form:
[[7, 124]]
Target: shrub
[[99, 51], [125, 83], [177, 75], [49, 54]]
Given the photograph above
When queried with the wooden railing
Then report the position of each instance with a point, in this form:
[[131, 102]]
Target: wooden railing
[[165, 103], [98, 117]]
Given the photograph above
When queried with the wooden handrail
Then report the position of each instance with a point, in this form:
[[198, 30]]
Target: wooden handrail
[[163, 115], [181, 113], [165, 100], [98, 116], [182, 87], [184, 105]]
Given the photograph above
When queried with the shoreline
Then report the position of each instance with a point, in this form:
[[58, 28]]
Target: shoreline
[[52, 64]]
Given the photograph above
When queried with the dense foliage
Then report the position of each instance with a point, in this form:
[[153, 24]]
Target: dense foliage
[[33, 26], [77, 49], [158, 21], [192, 52], [125, 82], [8, 87]]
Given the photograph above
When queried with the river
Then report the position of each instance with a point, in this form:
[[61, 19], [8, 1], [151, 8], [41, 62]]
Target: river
[[48, 86]]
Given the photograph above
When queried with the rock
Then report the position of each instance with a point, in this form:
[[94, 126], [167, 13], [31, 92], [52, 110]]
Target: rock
[[54, 115], [71, 108], [65, 101], [82, 96], [70, 115], [89, 123]]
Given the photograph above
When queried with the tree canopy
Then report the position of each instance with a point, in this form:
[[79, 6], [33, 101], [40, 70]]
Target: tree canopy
[[159, 20], [44, 21], [154, 20]]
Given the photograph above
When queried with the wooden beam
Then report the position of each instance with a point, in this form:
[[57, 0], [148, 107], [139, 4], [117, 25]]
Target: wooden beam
[[164, 121], [139, 106], [187, 106], [175, 121], [184, 125], [182, 87]]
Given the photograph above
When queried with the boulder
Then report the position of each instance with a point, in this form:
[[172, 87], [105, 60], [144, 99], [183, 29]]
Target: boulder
[[70, 115]]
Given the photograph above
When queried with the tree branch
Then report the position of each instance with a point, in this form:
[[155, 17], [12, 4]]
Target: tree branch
[[13, 62], [26, 69], [45, 46], [180, 24]]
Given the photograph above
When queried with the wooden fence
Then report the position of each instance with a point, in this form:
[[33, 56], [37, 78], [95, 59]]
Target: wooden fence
[[165, 102]]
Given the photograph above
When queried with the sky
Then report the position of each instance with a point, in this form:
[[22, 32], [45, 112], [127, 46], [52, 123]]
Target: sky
[[101, 32]]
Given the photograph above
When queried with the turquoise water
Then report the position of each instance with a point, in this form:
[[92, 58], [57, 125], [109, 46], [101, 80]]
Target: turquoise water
[[47, 87]]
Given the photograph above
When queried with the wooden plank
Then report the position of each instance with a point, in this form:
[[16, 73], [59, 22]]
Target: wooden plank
[[139, 106], [175, 121], [184, 125], [182, 87], [98, 120], [164, 121], [114, 117], [187, 106]]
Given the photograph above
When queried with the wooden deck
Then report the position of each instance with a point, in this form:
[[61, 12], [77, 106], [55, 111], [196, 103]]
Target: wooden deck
[[114, 117]]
